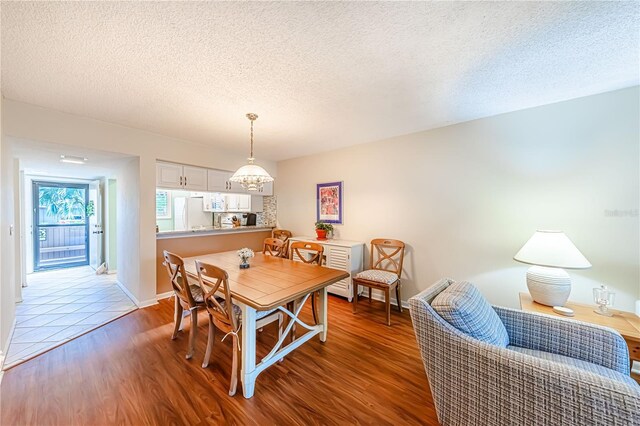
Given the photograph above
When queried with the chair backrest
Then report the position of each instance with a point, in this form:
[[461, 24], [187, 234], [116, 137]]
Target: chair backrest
[[315, 249], [387, 255], [281, 234], [284, 235], [217, 283], [178, 277], [273, 246]]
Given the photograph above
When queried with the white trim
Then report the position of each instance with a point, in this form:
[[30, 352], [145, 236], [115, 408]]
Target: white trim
[[5, 348], [139, 304], [128, 293], [148, 302], [165, 295], [379, 296]]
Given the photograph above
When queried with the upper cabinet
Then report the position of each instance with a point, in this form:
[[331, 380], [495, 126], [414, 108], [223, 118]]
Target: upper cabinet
[[218, 181], [195, 178], [170, 175], [178, 176]]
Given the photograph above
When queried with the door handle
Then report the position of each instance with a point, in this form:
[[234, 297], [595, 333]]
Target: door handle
[[98, 232]]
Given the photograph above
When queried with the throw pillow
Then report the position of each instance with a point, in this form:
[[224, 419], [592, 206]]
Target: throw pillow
[[462, 306]]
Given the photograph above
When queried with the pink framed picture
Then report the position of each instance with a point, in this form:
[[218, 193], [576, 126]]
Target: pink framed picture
[[329, 202]]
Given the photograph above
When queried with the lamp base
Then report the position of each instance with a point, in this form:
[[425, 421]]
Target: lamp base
[[549, 286]]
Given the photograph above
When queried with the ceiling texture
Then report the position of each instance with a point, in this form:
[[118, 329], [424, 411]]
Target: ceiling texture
[[321, 75]]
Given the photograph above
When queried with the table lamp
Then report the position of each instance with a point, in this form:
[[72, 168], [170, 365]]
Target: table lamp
[[549, 252]]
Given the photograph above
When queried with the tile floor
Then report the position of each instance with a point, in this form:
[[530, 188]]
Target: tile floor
[[60, 305]]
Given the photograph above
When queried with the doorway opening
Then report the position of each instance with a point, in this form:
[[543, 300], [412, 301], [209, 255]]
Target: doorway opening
[[61, 225]]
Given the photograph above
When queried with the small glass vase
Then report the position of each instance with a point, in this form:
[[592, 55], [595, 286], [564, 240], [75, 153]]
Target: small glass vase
[[244, 263], [604, 299]]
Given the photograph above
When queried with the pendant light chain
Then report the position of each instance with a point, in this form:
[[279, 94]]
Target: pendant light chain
[[251, 176], [252, 117], [251, 139]]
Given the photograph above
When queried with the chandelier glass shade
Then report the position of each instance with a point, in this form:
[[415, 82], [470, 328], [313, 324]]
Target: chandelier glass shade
[[251, 176]]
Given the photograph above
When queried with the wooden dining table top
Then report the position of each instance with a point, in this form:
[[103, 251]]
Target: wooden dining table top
[[270, 281]]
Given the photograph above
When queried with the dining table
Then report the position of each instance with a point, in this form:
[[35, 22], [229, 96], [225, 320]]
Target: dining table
[[271, 283]]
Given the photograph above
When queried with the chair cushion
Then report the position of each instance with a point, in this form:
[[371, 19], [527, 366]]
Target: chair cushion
[[196, 293], [383, 277], [237, 311], [462, 306], [578, 363]]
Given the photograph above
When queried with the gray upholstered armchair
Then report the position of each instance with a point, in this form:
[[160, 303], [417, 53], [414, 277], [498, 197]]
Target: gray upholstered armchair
[[551, 372]]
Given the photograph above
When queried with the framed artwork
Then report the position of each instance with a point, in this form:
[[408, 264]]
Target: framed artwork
[[329, 202]]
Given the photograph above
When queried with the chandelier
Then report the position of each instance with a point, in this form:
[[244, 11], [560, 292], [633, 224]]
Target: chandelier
[[251, 176]]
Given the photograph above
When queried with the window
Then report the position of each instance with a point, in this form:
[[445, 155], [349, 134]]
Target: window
[[163, 204]]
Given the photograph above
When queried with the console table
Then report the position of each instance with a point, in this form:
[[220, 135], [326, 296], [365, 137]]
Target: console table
[[626, 323], [339, 254]]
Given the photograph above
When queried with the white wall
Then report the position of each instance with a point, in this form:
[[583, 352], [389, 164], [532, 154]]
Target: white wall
[[7, 244], [44, 125], [128, 200], [466, 197]]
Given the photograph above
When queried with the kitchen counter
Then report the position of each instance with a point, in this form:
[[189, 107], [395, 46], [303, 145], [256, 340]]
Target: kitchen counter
[[204, 241], [212, 231]]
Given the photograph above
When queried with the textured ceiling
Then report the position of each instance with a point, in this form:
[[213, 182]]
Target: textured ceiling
[[321, 75]]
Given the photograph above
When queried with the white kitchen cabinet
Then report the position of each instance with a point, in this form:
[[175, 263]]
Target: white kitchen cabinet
[[218, 181], [170, 175], [267, 189], [195, 178], [343, 255]]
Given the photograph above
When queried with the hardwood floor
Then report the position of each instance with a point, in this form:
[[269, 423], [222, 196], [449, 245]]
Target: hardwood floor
[[130, 372]]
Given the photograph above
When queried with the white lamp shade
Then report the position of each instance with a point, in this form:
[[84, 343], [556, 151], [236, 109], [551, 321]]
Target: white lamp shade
[[553, 249], [251, 171]]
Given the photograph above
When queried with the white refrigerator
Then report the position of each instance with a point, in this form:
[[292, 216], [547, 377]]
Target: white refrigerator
[[188, 214]]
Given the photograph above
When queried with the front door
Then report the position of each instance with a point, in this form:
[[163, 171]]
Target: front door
[[60, 225]]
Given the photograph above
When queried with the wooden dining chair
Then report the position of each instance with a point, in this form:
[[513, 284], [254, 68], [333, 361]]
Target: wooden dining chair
[[225, 315], [188, 296], [387, 256], [283, 235], [311, 253], [273, 247]]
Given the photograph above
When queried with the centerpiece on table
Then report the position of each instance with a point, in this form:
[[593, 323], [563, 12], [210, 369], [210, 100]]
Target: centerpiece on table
[[322, 229], [245, 254]]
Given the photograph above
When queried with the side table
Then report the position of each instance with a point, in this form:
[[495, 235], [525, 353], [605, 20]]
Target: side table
[[626, 323]]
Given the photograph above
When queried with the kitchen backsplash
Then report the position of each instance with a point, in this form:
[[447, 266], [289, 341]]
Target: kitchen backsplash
[[269, 215]]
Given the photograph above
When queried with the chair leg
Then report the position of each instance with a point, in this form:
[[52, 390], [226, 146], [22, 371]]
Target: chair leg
[[398, 297], [355, 298], [177, 317], [369, 294], [192, 333], [387, 304], [234, 367], [210, 341]]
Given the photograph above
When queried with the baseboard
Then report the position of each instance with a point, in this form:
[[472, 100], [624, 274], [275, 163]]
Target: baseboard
[[165, 295], [5, 348], [139, 304], [379, 296], [148, 302]]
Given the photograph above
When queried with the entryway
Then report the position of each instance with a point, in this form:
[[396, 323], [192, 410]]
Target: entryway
[[67, 224], [61, 305]]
